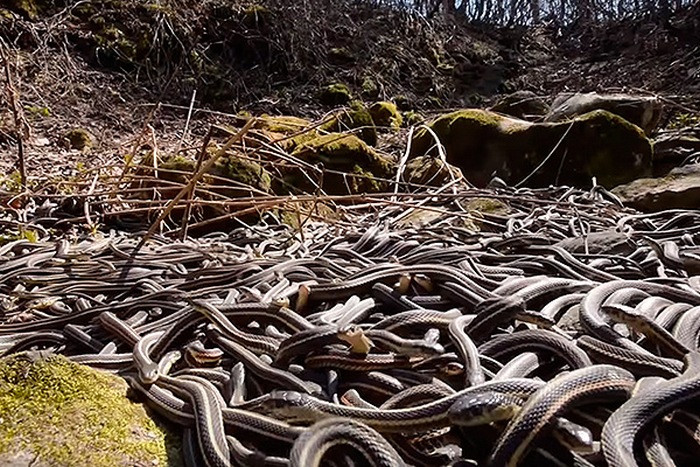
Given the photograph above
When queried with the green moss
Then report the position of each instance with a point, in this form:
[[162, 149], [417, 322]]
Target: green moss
[[370, 90], [255, 14], [282, 124], [68, 414], [176, 163], [27, 8], [356, 118], [684, 120], [488, 206], [343, 153], [411, 118], [243, 171], [335, 94], [36, 111], [78, 138], [385, 114]]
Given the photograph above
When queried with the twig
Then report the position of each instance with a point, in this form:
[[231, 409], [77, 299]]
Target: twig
[[202, 170], [21, 125], [190, 193], [187, 122]]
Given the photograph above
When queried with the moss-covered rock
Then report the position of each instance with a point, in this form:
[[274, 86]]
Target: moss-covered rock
[[428, 170], [340, 56], [482, 143], [346, 154], [370, 89], [385, 114], [77, 138], [27, 8], [357, 118], [411, 118], [57, 413], [335, 94], [255, 15], [282, 124], [522, 104], [244, 171]]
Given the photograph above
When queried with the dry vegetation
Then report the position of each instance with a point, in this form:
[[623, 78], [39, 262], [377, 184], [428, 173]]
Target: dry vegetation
[[147, 82]]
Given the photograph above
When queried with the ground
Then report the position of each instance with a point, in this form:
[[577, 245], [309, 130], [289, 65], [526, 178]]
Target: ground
[[122, 77]]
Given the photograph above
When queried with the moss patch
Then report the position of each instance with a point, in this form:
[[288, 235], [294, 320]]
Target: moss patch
[[385, 114], [358, 118], [244, 171], [282, 124], [482, 143], [411, 118], [27, 8], [488, 206], [343, 153], [78, 138], [68, 414], [335, 94]]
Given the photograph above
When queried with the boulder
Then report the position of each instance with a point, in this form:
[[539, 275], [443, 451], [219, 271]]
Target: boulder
[[357, 118], [680, 189], [335, 94], [643, 111], [431, 171], [56, 412], [385, 115], [483, 144], [351, 166], [522, 104], [673, 147]]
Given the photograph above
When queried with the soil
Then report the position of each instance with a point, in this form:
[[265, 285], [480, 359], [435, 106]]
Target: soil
[[127, 71]]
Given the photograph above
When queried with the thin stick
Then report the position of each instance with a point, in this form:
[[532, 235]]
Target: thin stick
[[186, 189], [21, 125], [187, 122], [190, 193]]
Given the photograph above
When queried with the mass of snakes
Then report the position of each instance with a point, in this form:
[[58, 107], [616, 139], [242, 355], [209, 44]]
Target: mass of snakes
[[547, 327]]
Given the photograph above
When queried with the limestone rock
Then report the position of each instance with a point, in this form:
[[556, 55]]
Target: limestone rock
[[362, 168], [431, 171], [680, 189], [335, 94], [522, 104], [56, 413], [386, 115], [358, 118], [673, 147], [483, 144], [643, 111]]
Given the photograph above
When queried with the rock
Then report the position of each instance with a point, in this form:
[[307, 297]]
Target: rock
[[608, 242], [281, 124], [385, 115], [77, 138], [525, 105], [483, 144], [239, 169], [431, 171], [411, 118], [356, 117], [342, 153], [680, 189], [55, 412], [335, 94], [643, 111], [673, 147]]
